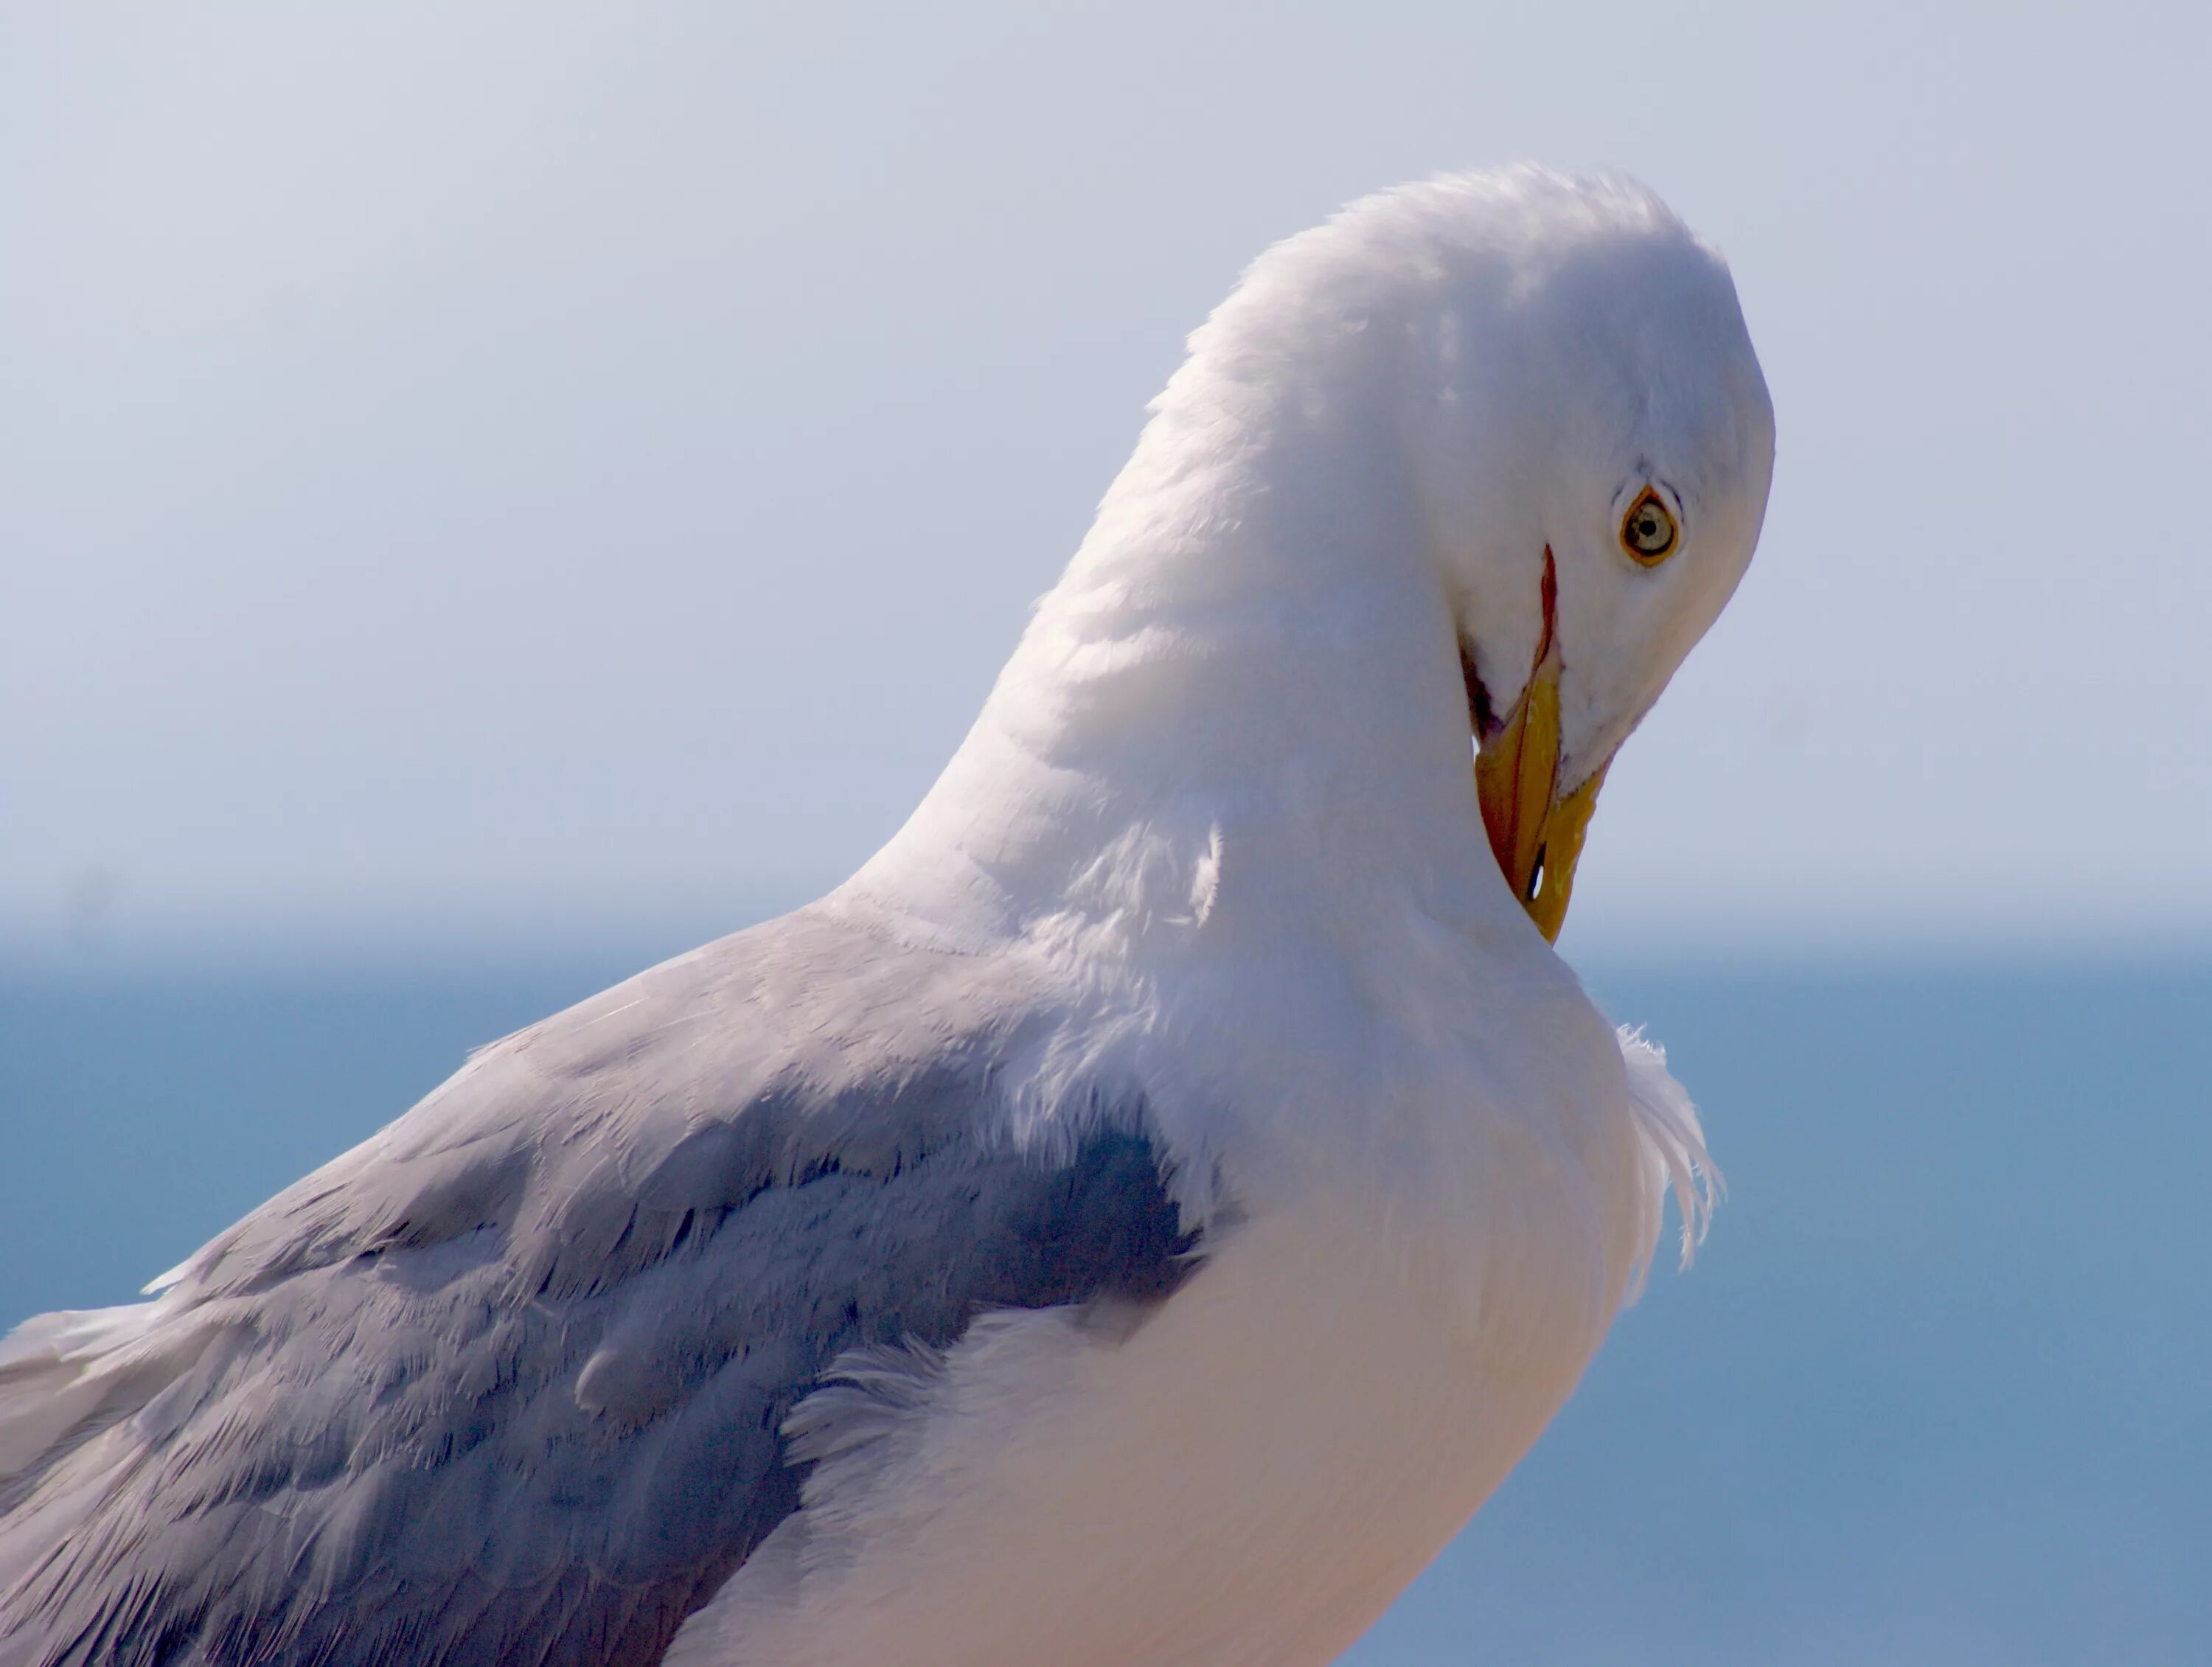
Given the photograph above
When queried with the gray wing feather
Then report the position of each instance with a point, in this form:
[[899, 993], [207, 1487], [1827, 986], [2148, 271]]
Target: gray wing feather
[[508, 1384]]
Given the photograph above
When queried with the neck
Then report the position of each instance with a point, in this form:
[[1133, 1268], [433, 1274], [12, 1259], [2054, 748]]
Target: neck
[[1243, 700]]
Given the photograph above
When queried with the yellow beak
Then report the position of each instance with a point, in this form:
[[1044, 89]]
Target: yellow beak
[[1535, 833]]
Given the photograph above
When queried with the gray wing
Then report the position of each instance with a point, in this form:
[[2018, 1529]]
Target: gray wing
[[507, 1384]]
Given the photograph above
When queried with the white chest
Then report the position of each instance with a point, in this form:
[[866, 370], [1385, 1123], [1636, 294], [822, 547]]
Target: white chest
[[1249, 1476]]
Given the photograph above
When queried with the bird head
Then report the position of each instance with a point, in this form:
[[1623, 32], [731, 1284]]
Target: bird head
[[1592, 444], [1511, 411]]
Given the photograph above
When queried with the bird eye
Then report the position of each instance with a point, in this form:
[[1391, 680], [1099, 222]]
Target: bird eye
[[1647, 532]]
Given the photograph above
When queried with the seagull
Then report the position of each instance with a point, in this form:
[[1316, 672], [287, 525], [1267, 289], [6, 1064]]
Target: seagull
[[1142, 1215]]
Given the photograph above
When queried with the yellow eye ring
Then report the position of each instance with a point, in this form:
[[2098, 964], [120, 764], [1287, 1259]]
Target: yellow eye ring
[[1647, 531]]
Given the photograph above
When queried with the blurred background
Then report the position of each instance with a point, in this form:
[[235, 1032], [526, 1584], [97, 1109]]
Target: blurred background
[[492, 494]]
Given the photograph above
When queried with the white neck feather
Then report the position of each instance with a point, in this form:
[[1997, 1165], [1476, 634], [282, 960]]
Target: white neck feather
[[1249, 673]]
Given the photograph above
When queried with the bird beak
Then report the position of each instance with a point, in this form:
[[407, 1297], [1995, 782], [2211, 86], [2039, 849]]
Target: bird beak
[[1535, 832]]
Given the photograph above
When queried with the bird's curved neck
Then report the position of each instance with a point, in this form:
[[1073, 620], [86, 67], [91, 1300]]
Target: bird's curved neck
[[1246, 685]]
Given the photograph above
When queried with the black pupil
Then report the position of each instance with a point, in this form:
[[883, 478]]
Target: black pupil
[[1648, 529]]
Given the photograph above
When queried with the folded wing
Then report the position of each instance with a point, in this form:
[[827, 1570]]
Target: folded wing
[[508, 1383]]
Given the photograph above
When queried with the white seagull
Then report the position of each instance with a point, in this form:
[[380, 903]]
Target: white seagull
[[1138, 1218]]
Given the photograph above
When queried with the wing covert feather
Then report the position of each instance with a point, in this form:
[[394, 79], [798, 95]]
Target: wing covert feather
[[507, 1383]]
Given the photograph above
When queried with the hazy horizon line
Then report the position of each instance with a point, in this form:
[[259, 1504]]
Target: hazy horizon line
[[605, 927]]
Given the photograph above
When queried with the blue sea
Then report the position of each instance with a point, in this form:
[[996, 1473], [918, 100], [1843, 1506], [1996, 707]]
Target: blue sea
[[1938, 1389]]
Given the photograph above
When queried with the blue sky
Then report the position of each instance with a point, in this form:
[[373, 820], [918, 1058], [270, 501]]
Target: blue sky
[[476, 467]]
